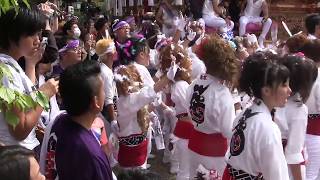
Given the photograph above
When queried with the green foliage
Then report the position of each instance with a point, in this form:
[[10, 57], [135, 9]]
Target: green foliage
[[10, 98], [5, 5]]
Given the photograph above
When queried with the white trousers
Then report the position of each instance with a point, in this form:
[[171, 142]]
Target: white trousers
[[183, 159], [244, 20], [218, 22], [210, 163], [313, 162]]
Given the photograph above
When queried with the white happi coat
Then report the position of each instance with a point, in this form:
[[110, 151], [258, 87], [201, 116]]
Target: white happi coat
[[258, 148]]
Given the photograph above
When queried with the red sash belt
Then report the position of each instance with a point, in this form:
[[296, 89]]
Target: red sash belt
[[132, 156], [183, 129], [214, 145], [313, 127]]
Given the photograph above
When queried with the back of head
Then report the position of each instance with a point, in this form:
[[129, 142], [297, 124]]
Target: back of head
[[303, 73], [104, 46], [312, 50], [296, 43], [100, 23], [78, 85], [219, 58], [13, 26], [262, 69], [68, 25], [139, 46], [15, 163], [174, 53], [311, 22]]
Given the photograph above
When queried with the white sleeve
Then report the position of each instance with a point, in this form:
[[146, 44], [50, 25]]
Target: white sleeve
[[178, 96], [297, 131], [317, 96], [272, 161], [137, 100], [226, 113], [108, 89]]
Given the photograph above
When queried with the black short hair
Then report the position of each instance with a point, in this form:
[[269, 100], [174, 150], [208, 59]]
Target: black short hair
[[139, 46], [311, 22], [262, 69], [100, 23], [303, 73], [78, 85], [13, 26], [68, 25], [15, 163]]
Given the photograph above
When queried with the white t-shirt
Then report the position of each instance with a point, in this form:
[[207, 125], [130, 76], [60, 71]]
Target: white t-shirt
[[253, 9], [257, 147], [128, 106], [207, 9], [22, 84], [313, 102], [292, 121], [110, 88]]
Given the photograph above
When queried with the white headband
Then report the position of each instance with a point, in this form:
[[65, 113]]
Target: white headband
[[111, 48]]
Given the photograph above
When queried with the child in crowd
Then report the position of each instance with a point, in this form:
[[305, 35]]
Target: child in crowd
[[255, 149], [211, 106], [175, 62], [292, 119]]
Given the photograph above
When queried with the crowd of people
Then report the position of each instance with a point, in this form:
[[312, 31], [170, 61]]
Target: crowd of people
[[221, 103]]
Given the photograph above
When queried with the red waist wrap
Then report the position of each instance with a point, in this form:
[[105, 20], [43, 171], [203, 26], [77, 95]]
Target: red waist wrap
[[214, 145], [183, 129], [313, 127], [132, 156]]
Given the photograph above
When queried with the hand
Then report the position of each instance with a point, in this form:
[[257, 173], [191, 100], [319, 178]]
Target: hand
[[115, 127], [180, 23], [34, 57], [50, 88], [172, 71], [46, 9], [228, 21]]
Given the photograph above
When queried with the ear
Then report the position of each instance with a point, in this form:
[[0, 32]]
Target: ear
[[95, 103], [266, 91]]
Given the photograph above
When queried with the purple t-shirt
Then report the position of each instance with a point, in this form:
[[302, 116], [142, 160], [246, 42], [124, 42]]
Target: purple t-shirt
[[78, 154]]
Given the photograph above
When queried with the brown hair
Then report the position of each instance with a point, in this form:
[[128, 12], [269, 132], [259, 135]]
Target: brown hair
[[312, 50], [181, 58], [130, 83], [219, 58], [296, 43]]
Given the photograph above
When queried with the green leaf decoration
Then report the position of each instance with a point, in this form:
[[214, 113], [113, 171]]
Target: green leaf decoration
[[7, 95], [42, 100], [5, 71], [24, 102], [11, 118]]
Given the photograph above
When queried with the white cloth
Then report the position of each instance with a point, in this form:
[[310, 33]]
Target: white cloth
[[219, 110], [292, 121], [207, 9], [128, 107], [253, 9], [183, 159], [262, 152], [311, 36], [218, 115], [313, 102], [313, 150], [23, 84], [198, 66], [144, 74], [47, 116], [178, 96], [109, 84]]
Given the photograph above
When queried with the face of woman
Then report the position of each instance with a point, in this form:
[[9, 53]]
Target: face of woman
[[35, 170], [282, 93], [29, 45]]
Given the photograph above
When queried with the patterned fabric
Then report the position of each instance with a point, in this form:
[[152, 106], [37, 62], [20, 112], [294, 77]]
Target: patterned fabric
[[241, 175], [313, 116], [133, 140]]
